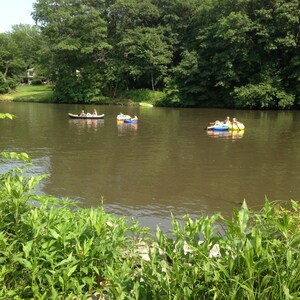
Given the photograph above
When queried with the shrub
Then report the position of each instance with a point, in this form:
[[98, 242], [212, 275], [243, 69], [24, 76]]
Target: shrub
[[6, 85], [141, 95], [50, 248], [36, 81], [262, 95]]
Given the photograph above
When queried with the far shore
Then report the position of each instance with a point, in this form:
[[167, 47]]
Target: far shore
[[44, 94]]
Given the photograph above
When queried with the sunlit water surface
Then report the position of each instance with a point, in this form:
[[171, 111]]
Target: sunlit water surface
[[165, 164]]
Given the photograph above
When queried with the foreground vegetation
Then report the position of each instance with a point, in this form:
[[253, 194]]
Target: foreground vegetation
[[53, 249], [198, 52]]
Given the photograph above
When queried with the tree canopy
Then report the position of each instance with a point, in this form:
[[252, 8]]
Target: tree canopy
[[199, 52]]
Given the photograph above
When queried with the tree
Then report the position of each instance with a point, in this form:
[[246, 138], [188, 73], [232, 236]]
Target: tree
[[9, 55], [242, 43], [18, 51], [77, 40], [131, 22], [146, 53], [204, 51], [28, 40]]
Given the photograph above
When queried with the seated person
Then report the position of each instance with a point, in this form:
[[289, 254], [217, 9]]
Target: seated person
[[238, 124], [216, 123], [94, 113], [82, 114], [235, 121], [227, 121], [120, 116]]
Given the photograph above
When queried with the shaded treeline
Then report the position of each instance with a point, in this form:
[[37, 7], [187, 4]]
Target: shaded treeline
[[199, 52]]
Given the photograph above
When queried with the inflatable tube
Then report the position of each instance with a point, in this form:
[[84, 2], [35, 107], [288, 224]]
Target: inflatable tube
[[239, 126], [131, 121], [218, 128]]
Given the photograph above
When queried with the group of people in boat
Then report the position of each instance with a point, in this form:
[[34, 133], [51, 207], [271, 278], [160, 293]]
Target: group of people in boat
[[83, 114], [122, 117], [226, 122]]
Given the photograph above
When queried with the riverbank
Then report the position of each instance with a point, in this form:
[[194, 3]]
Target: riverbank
[[30, 93], [44, 94]]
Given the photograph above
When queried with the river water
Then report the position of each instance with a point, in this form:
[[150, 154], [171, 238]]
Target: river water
[[165, 164]]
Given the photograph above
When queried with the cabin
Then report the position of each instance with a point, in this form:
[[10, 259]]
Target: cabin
[[29, 76]]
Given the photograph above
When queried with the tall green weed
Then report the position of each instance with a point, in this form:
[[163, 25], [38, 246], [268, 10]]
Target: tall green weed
[[56, 250], [53, 249]]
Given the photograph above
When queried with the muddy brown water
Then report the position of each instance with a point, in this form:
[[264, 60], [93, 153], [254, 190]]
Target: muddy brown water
[[165, 164]]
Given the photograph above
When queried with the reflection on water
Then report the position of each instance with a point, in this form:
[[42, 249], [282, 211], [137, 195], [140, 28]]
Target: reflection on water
[[87, 124], [231, 135], [124, 128]]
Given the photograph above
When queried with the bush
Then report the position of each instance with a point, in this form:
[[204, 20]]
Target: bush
[[6, 85], [143, 95], [262, 95], [55, 249], [36, 82]]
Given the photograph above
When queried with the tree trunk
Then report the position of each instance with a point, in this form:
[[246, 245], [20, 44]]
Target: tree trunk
[[152, 83], [5, 72], [115, 89]]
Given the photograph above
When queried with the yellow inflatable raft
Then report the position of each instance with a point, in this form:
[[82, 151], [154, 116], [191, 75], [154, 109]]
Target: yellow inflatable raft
[[236, 126]]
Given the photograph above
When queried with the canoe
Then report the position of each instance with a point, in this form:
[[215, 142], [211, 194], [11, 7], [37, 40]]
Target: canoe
[[131, 121], [218, 127], [74, 116], [240, 126], [144, 104]]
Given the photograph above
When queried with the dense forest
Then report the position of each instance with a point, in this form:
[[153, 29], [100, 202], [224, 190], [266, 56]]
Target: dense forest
[[228, 53]]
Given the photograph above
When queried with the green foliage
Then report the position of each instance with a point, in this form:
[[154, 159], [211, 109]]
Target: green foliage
[[147, 53], [6, 116], [262, 95], [234, 43], [145, 95], [33, 93], [6, 85], [200, 52], [257, 258], [172, 97], [77, 49], [55, 249], [18, 51], [51, 248]]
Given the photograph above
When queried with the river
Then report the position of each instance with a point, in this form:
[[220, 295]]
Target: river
[[165, 164]]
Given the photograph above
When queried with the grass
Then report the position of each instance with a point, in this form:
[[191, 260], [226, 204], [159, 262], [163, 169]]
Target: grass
[[30, 93], [44, 93]]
